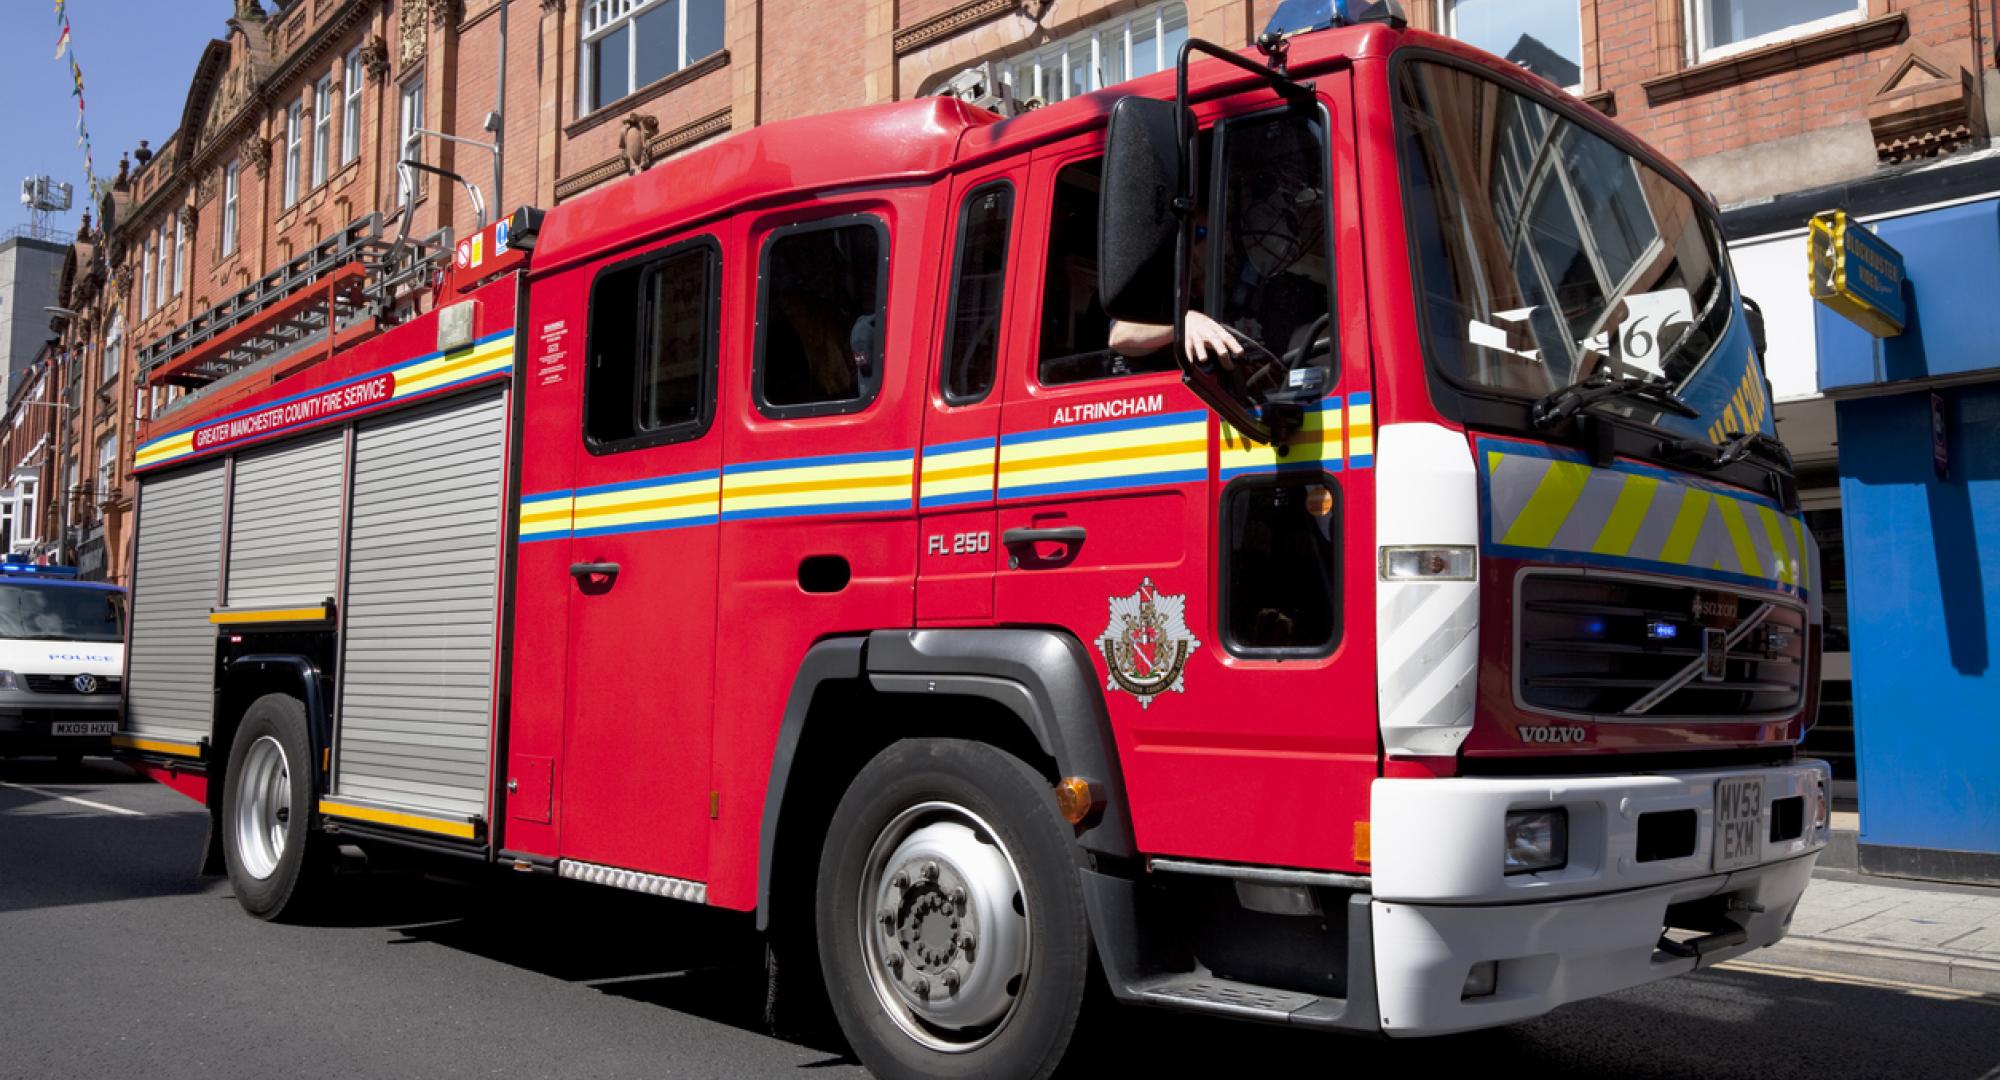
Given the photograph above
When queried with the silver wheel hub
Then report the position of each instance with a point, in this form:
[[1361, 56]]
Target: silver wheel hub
[[263, 808], [943, 926]]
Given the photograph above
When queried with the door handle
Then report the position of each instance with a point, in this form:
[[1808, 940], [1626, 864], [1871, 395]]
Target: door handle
[[1066, 534], [582, 570]]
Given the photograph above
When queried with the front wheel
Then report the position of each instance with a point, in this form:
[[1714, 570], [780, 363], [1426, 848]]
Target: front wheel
[[950, 915], [267, 797]]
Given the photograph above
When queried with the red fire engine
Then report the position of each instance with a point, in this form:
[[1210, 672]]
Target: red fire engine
[[1304, 530]]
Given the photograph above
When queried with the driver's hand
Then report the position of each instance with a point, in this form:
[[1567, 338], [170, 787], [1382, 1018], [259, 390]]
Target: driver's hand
[[1207, 340]]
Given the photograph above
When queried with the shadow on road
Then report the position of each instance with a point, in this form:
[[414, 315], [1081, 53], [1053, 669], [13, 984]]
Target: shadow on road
[[1710, 1025]]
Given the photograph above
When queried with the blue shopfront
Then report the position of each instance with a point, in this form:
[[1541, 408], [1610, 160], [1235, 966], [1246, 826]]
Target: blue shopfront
[[1917, 434]]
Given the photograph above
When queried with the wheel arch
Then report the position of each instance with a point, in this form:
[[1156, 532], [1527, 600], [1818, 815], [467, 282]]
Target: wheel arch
[[249, 677], [1038, 686]]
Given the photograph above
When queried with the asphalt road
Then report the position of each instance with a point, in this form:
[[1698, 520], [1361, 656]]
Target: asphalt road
[[116, 960]]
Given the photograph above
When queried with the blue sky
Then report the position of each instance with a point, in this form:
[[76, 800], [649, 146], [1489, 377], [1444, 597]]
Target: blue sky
[[137, 57]]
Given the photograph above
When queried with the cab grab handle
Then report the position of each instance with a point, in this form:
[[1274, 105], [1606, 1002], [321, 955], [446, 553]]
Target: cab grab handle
[[582, 570], [1068, 534]]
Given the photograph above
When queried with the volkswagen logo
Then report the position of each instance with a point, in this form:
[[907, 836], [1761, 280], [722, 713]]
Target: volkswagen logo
[[85, 684]]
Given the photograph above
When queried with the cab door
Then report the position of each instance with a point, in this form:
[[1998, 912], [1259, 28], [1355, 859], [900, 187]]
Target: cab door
[[642, 570], [1223, 587], [959, 549]]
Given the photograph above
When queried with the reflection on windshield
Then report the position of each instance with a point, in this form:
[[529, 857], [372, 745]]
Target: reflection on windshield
[[1549, 255], [56, 613]]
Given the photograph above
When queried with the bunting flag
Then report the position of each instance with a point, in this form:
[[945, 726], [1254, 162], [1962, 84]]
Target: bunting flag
[[76, 91]]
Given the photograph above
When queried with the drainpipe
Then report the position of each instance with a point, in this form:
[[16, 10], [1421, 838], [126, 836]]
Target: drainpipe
[[499, 119]]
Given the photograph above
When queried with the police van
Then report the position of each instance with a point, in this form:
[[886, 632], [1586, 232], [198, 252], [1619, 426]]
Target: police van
[[62, 651]]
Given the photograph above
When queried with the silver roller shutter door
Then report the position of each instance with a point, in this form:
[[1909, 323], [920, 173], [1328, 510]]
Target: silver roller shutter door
[[417, 678], [170, 687], [284, 525]]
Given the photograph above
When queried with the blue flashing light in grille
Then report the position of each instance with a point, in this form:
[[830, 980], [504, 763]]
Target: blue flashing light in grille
[[1661, 630], [1595, 628]]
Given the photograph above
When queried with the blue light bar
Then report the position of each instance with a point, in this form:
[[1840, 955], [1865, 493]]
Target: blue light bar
[[1662, 631], [31, 570]]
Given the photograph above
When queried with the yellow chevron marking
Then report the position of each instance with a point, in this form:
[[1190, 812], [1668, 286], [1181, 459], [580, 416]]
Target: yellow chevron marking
[[1687, 526], [1739, 537], [1805, 550], [1622, 527], [1493, 460], [1555, 496], [1780, 550], [464, 830]]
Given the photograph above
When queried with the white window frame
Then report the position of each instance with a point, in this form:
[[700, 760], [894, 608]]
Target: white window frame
[[1037, 73], [107, 366], [146, 275], [163, 269], [24, 512], [180, 251], [107, 464], [602, 18], [1698, 31], [232, 190], [410, 107], [322, 127], [293, 122], [1447, 19], [350, 117]]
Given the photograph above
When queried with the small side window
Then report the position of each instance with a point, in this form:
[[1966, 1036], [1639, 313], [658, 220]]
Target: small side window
[[651, 377], [820, 311], [1281, 566], [1076, 333], [972, 335]]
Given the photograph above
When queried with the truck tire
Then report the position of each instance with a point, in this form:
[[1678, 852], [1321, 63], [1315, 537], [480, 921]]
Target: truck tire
[[951, 921], [274, 860]]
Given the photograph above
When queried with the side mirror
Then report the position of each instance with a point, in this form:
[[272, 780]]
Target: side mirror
[[1138, 221]]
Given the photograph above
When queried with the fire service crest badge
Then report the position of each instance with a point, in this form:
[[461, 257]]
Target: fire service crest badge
[[1147, 643]]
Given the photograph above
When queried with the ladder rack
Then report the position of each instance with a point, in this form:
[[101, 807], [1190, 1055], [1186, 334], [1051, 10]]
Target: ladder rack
[[334, 294]]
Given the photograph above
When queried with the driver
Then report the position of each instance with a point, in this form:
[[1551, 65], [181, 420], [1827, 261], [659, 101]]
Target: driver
[[1206, 338]]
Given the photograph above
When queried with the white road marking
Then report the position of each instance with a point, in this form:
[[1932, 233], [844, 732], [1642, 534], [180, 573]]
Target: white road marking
[[106, 807]]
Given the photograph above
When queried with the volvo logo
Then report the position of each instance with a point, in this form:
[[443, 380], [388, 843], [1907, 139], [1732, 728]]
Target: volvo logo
[[1552, 733], [85, 684]]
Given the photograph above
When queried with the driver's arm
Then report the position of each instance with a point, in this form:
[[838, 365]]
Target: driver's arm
[[1206, 338]]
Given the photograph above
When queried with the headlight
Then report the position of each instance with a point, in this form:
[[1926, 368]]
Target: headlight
[[1536, 840], [8, 681]]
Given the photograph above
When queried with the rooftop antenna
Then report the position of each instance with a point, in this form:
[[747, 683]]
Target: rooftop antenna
[[43, 196]]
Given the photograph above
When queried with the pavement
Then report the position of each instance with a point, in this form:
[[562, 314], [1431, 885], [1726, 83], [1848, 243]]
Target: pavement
[[1928, 933], [117, 960]]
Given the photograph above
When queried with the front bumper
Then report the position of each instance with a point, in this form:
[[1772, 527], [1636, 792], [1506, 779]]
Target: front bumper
[[1442, 904], [28, 722]]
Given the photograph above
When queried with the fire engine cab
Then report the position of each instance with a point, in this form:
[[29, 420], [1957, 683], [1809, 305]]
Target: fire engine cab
[[1304, 530]]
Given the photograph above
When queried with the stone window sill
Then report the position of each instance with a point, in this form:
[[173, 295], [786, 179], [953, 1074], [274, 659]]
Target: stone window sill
[[1775, 58]]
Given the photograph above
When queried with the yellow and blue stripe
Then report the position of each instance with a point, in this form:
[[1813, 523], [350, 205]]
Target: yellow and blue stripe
[[957, 474], [1360, 431], [665, 502], [1316, 445], [485, 358], [1144, 451], [813, 486]]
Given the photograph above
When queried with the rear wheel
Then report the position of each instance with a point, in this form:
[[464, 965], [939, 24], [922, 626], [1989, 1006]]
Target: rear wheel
[[274, 860], [950, 915]]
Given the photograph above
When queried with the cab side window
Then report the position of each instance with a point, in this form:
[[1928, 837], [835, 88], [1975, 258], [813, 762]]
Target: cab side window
[[1076, 333], [651, 377], [979, 278], [820, 310]]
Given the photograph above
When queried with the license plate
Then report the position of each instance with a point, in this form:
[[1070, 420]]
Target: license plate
[[1739, 813], [81, 727]]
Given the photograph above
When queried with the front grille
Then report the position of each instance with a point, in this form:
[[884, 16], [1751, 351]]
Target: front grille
[[66, 684], [1615, 647]]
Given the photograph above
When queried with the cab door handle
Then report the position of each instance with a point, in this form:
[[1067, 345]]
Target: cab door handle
[[582, 570], [1066, 534]]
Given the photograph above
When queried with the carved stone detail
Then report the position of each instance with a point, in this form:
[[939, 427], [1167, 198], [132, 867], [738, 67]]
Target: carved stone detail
[[375, 58], [412, 31], [1925, 106], [635, 142], [962, 17], [259, 150], [550, 7], [446, 14], [204, 188]]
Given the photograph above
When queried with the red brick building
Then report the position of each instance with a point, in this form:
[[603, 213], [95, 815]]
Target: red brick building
[[292, 117]]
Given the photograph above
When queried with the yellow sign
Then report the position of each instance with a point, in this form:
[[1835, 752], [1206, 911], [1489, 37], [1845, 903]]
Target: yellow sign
[[1856, 273]]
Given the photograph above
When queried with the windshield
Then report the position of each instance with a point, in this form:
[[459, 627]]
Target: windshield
[[1548, 255], [59, 613]]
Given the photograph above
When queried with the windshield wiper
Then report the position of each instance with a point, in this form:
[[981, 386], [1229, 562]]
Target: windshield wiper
[[1560, 405], [1738, 446]]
